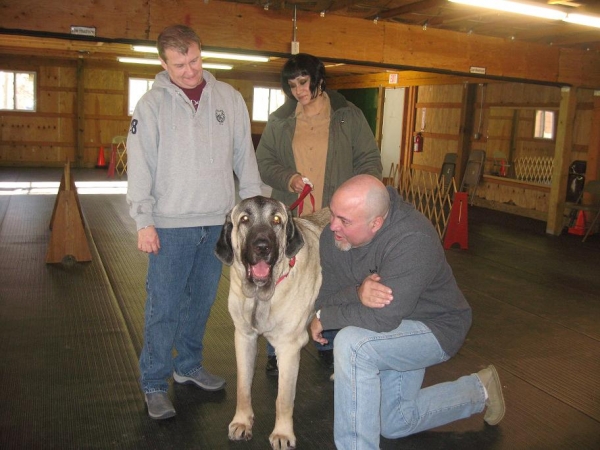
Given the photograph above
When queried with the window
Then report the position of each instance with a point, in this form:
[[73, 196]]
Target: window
[[266, 101], [137, 88], [544, 124], [17, 91]]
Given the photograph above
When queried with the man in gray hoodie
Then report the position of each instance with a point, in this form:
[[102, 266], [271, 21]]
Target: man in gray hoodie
[[388, 287], [188, 136]]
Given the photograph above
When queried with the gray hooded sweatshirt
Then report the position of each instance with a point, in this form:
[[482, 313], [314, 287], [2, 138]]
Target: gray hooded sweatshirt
[[408, 255], [181, 161]]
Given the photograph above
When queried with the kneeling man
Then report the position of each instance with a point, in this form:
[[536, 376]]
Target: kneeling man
[[389, 289]]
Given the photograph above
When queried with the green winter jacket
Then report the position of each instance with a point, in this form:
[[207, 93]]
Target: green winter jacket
[[352, 149]]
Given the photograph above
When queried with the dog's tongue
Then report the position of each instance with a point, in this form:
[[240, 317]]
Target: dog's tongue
[[261, 270]]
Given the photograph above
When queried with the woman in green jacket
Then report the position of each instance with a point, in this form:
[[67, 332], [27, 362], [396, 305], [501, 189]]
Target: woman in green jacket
[[316, 136]]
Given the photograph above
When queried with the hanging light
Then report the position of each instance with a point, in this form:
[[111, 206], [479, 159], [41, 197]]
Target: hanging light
[[210, 54], [156, 62]]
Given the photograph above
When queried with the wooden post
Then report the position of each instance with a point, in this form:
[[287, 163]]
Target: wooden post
[[68, 237], [562, 159]]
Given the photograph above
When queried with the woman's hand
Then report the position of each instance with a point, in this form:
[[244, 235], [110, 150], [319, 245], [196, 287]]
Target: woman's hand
[[296, 183]]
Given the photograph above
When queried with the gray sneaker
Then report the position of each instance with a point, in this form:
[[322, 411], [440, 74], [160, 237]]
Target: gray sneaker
[[159, 405], [202, 379]]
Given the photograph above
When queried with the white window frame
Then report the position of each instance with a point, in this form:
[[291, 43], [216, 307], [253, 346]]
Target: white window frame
[[16, 92], [265, 101], [136, 93], [545, 124]]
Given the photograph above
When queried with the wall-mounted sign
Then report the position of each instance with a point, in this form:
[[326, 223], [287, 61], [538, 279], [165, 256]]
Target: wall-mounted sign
[[83, 31], [479, 70]]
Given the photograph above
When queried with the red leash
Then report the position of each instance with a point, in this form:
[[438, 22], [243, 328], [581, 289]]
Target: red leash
[[300, 202]]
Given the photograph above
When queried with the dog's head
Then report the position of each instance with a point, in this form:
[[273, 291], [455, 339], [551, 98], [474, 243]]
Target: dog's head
[[259, 234]]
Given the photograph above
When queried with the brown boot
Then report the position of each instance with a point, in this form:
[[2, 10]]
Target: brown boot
[[495, 401]]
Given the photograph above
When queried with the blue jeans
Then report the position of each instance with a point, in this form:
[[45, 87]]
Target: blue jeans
[[327, 334], [181, 285], [378, 378]]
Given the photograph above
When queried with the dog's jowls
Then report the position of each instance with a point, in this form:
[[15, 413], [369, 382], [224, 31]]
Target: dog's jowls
[[274, 280]]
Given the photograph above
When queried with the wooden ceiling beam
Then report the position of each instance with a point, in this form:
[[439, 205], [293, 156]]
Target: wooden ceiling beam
[[409, 9], [240, 27]]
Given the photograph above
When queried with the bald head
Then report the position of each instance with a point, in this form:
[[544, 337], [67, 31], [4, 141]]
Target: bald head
[[358, 210], [368, 193]]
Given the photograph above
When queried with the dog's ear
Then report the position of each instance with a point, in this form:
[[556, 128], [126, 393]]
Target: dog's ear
[[294, 238], [224, 249]]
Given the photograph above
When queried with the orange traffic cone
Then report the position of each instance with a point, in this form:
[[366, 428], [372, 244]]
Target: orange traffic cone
[[579, 228], [101, 163]]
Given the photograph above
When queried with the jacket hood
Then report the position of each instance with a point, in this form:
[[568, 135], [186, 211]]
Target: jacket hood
[[162, 80]]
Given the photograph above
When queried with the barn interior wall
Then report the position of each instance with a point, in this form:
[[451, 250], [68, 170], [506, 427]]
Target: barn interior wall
[[48, 136]]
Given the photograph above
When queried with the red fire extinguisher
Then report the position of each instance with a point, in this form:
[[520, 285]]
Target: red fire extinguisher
[[418, 143]]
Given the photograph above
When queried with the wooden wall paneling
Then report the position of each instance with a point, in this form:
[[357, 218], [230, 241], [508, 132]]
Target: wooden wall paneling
[[109, 79], [578, 68], [521, 197], [497, 140], [521, 94], [564, 139], [437, 118], [58, 101], [105, 109], [111, 18], [56, 74], [541, 201], [582, 129], [406, 78]]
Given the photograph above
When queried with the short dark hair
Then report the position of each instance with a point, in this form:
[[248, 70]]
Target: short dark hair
[[178, 38], [303, 64]]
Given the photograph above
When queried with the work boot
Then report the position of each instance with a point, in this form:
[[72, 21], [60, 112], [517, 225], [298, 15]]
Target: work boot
[[159, 405], [202, 379], [495, 401]]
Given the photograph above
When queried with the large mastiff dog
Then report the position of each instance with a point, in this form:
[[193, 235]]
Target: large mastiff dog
[[275, 277]]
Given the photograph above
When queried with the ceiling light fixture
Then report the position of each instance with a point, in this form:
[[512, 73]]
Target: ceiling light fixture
[[582, 19], [156, 62], [217, 66], [535, 11], [126, 59], [210, 54], [517, 8], [234, 56], [144, 49]]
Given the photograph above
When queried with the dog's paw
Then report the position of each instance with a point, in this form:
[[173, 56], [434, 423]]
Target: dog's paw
[[282, 441], [240, 431]]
